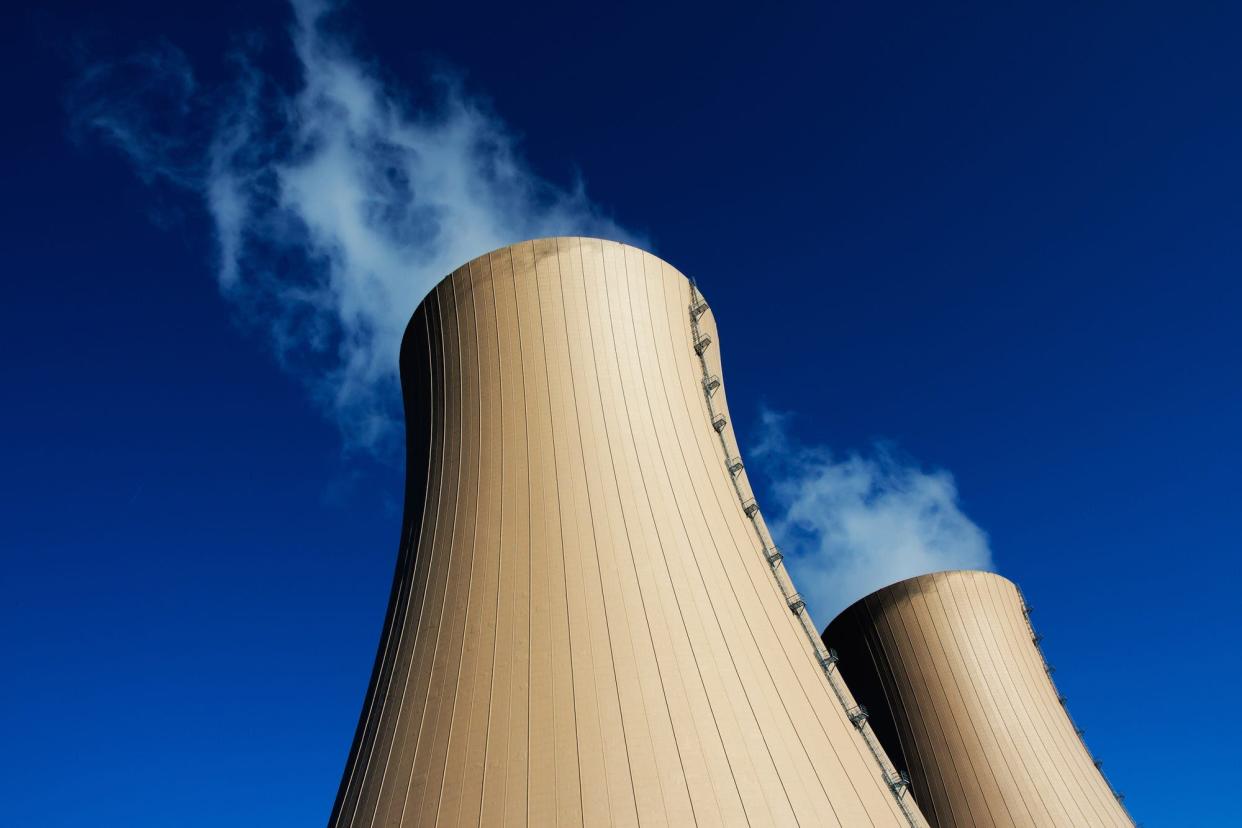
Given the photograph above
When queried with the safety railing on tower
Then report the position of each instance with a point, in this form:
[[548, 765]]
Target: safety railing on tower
[[897, 783]]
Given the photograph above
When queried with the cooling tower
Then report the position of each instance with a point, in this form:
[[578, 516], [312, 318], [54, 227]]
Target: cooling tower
[[588, 621], [956, 688]]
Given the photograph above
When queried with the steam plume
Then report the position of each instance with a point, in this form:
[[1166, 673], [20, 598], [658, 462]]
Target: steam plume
[[335, 205], [850, 525]]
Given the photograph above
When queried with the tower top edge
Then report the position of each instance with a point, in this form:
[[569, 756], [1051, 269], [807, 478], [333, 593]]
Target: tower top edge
[[541, 248], [952, 573], [578, 241], [568, 238]]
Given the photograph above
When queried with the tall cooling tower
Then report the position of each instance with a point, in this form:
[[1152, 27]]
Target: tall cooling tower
[[958, 691], [589, 622]]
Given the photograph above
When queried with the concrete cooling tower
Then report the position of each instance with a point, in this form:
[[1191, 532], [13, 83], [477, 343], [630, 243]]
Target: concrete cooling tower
[[589, 623], [956, 688]]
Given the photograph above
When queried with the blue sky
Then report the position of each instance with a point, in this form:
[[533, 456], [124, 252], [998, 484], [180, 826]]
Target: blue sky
[[1002, 244]]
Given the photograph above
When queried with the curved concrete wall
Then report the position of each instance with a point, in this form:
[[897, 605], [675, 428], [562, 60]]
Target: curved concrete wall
[[584, 626], [958, 691]]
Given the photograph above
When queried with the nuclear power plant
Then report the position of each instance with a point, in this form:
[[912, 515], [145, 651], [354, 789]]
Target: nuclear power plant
[[590, 624]]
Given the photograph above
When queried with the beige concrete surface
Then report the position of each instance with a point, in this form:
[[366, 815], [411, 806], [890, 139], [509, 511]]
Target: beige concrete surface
[[978, 722], [584, 627]]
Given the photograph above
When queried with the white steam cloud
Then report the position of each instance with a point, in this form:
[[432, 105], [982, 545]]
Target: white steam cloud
[[851, 525], [337, 205]]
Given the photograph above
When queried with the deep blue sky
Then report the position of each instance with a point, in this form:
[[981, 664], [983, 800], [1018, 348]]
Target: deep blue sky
[[1005, 239]]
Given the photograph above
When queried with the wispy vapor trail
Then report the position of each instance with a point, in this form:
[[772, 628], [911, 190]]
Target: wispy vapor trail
[[850, 525], [337, 205]]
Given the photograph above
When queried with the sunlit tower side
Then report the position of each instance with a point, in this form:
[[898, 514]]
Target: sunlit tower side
[[589, 622]]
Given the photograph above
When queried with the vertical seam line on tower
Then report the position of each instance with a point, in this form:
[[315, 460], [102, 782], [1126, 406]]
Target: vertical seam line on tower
[[641, 288]]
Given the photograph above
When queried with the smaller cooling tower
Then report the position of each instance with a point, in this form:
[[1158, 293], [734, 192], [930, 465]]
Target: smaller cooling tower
[[957, 690]]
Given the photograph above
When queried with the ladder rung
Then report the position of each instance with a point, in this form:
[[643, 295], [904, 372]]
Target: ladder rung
[[898, 782]]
